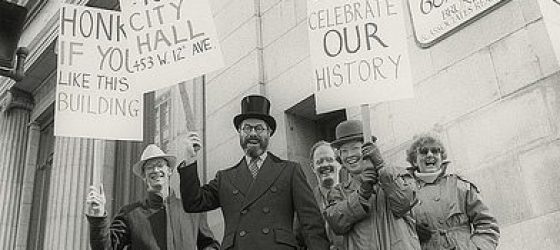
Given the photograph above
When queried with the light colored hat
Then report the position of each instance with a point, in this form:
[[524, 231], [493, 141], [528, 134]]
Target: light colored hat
[[150, 152]]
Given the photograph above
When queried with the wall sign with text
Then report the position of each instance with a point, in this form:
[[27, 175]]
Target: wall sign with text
[[434, 20]]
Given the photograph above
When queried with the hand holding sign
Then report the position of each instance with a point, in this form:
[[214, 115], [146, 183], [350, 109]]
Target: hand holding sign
[[193, 144], [95, 202]]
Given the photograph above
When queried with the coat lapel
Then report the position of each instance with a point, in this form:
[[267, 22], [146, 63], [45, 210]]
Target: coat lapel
[[268, 173], [241, 177]]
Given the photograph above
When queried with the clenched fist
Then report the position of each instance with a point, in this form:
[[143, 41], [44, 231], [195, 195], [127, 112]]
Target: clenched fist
[[193, 144], [371, 152], [95, 202]]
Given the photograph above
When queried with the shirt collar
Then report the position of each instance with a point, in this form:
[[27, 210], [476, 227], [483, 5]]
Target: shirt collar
[[261, 158]]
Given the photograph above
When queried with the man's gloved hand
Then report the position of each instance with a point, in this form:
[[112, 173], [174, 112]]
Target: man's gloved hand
[[368, 178], [371, 152], [424, 232]]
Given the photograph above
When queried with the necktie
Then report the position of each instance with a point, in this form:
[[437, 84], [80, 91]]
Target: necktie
[[253, 168]]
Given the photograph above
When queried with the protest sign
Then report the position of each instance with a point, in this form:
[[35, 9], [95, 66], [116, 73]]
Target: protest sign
[[359, 52], [170, 41], [95, 96]]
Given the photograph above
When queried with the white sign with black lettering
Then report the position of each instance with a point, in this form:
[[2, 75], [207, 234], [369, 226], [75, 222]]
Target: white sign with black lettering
[[432, 20], [95, 97], [170, 41], [359, 52]]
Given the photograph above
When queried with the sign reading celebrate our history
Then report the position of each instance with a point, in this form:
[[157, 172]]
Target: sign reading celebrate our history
[[359, 52], [434, 19], [172, 38], [95, 96]]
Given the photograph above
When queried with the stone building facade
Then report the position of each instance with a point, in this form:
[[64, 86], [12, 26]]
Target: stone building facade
[[491, 90]]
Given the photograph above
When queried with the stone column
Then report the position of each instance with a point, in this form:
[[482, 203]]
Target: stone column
[[14, 118], [27, 186], [66, 225], [71, 176]]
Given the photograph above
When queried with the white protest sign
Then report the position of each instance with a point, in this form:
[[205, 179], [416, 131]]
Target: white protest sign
[[359, 52], [170, 40], [95, 96]]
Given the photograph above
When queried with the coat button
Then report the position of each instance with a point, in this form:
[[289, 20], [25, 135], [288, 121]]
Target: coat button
[[244, 211], [273, 189], [265, 230], [242, 233], [235, 191], [266, 210]]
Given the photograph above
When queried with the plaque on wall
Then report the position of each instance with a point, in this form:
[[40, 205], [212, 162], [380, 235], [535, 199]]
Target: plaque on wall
[[433, 20]]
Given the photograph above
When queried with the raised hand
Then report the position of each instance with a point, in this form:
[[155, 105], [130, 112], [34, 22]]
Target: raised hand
[[371, 152], [95, 201]]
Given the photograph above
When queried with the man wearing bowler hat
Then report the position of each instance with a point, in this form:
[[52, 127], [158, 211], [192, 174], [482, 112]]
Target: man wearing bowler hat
[[157, 223], [371, 209], [259, 195]]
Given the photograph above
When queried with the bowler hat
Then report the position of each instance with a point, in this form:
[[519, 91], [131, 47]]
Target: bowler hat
[[255, 106], [150, 152], [348, 131]]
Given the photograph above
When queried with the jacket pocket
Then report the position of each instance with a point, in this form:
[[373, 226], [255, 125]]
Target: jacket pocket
[[284, 236], [228, 241]]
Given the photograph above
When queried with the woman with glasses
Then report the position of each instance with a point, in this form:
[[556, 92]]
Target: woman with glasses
[[450, 213]]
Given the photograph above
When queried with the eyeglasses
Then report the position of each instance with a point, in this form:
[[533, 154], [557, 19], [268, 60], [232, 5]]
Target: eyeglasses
[[155, 164], [425, 150], [325, 169], [324, 159], [258, 129]]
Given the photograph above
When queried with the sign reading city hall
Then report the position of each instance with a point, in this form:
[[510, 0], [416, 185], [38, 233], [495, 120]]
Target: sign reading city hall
[[359, 52], [433, 20], [95, 96], [170, 41]]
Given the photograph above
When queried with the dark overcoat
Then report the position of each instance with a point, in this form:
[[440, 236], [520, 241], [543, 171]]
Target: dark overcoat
[[258, 213]]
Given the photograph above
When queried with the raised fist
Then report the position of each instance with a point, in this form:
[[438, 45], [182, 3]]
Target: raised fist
[[95, 202], [371, 152], [193, 144]]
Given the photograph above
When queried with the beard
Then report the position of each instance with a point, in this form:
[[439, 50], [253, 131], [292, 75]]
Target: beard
[[259, 145], [327, 182]]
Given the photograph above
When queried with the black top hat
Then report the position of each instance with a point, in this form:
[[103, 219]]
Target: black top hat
[[255, 106]]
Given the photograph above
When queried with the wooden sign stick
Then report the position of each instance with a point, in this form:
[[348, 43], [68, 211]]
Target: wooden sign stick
[[366, 121]]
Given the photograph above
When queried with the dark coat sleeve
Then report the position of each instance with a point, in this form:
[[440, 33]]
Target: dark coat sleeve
[[104, 237], [197, 198], [205, 237], [400, 195], [343, 211], [308, 213]]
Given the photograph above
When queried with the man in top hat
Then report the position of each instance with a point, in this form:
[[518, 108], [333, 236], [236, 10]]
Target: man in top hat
[[259, 195], [158, 222], [371, 209]]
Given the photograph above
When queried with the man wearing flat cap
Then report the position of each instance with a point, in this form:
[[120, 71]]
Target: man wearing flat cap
[[259, 195], [156, 223], [372, 208]]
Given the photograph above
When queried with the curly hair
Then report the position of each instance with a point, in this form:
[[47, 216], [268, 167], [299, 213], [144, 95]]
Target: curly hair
[[420, 141]]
